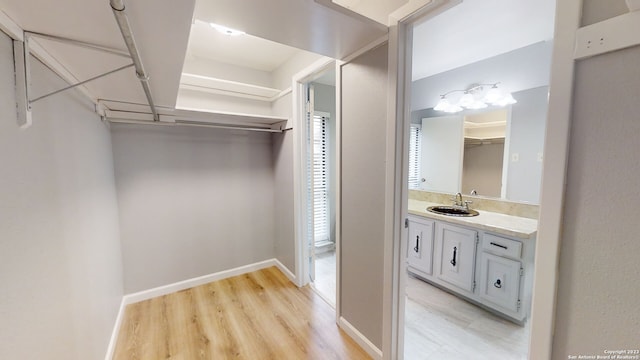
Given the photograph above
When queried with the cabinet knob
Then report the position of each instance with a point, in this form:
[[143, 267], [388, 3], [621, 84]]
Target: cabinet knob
[[498, 283]]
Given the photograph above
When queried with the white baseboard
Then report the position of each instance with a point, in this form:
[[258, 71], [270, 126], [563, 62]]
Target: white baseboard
[[285, 271], [201, 280], [186, 284], [114, 334], [360, 339]]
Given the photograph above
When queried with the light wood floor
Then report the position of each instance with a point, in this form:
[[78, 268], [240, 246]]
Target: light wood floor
[[439, 325], [260, 315]]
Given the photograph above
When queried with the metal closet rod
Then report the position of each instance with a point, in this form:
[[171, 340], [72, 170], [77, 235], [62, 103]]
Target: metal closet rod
[[194, 124], [125, 28]]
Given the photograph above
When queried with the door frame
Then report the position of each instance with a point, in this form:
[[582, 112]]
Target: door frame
[[567, 22], [301, 250]]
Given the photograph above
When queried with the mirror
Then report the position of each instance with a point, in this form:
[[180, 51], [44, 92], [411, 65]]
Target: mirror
[[494, 152]]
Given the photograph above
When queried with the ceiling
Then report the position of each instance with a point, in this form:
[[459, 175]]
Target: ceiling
[[171, 35], [377, 10], [479, 29], [248, 51], [302, 24], [168, 33], [161, 29]]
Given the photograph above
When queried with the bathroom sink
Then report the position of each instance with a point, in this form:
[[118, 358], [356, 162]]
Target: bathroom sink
[[452, 211]]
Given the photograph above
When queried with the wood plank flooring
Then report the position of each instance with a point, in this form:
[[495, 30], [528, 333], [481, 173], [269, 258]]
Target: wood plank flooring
[[260, 315], [439, 325]]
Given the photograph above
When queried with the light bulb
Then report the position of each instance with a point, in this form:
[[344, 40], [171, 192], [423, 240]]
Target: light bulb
[[493, 95], [506, 100], [442, 105], [477, 105], [227, 31], [453, 108], [466, 100]]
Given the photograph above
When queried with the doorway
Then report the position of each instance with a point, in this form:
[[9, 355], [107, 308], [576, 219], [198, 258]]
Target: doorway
[[437, 323], [320, 183]]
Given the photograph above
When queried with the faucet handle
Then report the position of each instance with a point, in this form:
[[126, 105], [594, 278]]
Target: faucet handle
[[466, 204]]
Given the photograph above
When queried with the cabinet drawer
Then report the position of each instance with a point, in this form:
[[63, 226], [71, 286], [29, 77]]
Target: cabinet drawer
[[502, 246]]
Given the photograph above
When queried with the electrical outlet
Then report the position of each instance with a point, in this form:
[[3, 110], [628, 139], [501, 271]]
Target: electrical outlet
[[539, 157], [515, 157]]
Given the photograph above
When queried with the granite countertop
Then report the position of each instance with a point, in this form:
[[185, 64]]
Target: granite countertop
[[514, 226]]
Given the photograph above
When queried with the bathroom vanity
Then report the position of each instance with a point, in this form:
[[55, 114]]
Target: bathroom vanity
[[486, 259]]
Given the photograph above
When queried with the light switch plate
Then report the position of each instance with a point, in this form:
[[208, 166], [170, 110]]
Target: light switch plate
[[539, 157]]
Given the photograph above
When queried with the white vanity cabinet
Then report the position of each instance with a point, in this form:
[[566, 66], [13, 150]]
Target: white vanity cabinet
[[490, 269], [420, 246], [456, 255], [501, 273]]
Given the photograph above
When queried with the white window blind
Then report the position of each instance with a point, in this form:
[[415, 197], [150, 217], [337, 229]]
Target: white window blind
[[320, 157], [415, 151]]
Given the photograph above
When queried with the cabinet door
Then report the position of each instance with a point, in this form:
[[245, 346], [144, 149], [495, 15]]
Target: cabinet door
[[500, 281], [420, 249], [456, 255]]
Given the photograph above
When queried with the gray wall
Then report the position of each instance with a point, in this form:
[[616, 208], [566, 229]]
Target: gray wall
[[192, 201], [598, 289], [482, 169], [364, 96], [60, 259], [526, 138], [517, 70], [594, 11]]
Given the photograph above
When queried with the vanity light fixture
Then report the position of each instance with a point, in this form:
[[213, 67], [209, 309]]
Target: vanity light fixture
[[227, 31], [475, 97]]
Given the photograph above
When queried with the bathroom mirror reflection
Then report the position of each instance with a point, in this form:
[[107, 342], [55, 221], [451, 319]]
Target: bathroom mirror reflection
[[493, 152]]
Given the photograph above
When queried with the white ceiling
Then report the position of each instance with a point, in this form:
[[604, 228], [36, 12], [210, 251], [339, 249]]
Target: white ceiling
[[161, 29], [164, 29], [474, 30], [303, 24], [248, 51], [377, 10], [477, 30]]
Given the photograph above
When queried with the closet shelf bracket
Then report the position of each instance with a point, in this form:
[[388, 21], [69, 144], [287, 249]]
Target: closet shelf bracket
[[22, 54]]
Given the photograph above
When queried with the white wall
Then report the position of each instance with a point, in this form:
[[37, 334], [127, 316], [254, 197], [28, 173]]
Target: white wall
[[442, 153], [60, 258], [598, 288], [281, 77], [363, 184], [200, 100], [283, 173], [220, 70], [192, 201]]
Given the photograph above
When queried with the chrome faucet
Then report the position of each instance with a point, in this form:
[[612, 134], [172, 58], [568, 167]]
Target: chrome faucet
[[459, 202]]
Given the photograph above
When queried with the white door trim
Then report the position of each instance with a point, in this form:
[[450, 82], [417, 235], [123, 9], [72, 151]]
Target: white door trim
[[299, 167], [545, 283]]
